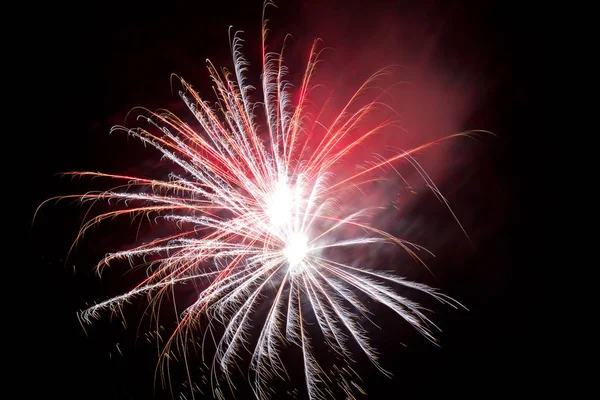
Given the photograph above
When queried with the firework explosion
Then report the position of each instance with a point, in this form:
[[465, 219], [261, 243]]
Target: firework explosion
[[262, 217]]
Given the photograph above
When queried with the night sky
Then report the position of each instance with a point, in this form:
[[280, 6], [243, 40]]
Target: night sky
[[477, 64]]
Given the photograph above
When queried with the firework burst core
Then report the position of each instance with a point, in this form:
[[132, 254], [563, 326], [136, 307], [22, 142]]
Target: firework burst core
[[279, 205], [296, 250]]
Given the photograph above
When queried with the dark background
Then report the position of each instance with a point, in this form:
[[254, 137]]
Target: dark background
[[92, 64]]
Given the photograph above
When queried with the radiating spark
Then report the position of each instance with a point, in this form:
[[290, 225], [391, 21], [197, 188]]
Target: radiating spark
[[259, 207]]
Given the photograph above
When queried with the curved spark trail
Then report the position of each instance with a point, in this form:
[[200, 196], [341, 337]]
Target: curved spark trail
[[261, 219]]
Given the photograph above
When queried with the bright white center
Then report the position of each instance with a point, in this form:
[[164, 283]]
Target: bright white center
[[279, 205], [296, 249]]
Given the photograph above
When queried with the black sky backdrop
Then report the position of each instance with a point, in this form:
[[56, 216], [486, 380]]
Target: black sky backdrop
[[96, 62]]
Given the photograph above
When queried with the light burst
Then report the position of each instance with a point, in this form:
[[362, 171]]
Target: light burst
[[263, 213]]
